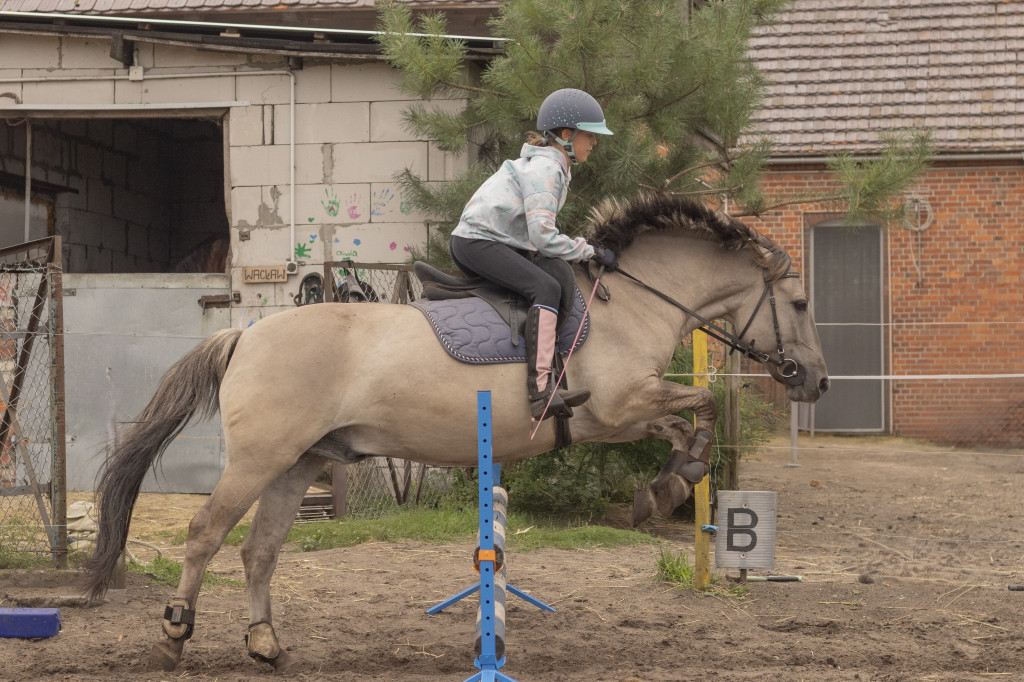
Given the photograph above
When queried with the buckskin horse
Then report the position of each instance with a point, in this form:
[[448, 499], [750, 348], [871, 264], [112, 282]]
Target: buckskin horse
[[383, 386]]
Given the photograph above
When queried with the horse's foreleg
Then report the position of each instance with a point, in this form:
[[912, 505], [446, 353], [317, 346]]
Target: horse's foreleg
[[236, 491], [275, 515], [691, 447]]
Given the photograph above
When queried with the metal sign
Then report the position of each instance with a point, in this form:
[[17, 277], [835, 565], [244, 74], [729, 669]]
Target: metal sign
[[746, 529], [257, 274]]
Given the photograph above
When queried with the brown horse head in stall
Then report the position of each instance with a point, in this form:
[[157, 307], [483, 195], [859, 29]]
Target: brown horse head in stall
[[210, 255], [383, 386]]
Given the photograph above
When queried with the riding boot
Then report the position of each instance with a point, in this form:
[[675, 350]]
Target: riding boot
[[541, 324]]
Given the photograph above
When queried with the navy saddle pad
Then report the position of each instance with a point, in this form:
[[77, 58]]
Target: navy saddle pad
[[471, 330]]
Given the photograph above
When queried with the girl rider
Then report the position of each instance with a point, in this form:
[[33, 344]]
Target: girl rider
[[507, 232]]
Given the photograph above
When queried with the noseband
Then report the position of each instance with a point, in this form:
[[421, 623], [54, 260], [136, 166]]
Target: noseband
[[792, 373]]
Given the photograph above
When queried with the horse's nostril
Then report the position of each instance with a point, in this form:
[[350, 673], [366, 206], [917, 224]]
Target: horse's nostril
[[824, 384]]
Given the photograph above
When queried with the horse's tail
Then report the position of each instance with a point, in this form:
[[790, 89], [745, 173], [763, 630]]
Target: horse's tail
[[189, 388]]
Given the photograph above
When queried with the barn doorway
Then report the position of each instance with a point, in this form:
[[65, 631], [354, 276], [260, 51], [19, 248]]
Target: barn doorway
[[139, 203], [847, 292]]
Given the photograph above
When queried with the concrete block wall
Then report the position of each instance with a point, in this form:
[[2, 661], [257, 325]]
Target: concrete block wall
[[109, 217], [964, 314], [349, 143]]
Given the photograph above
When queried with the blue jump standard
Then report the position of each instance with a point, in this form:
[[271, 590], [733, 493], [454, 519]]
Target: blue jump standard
[[29, 623], [489, 476]]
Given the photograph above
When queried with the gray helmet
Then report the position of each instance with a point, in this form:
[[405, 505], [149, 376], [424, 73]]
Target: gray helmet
[[570, 108], [574, 109]]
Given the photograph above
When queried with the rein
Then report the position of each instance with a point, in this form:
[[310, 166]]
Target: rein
[[788, 368]]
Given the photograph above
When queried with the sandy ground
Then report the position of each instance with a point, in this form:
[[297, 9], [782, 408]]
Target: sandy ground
[[906, 550]]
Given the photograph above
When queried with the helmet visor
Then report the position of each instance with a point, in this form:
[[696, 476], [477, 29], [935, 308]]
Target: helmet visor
[[598, 128]]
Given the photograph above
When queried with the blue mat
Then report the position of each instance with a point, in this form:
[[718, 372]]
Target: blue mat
[[29, 623]]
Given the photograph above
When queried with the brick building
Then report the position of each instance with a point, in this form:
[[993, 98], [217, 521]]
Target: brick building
[[944, 297]]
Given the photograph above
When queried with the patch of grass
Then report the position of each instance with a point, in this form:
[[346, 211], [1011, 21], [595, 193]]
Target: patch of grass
[[22, 560], [426, 525], [525, 532], [168, 572], [678, 570]]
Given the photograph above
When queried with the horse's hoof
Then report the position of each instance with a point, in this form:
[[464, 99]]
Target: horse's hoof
[[163, 658], [672, 492], [285, 664], [643, 506]]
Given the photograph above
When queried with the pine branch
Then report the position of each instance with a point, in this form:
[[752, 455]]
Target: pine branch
[[685, 171]]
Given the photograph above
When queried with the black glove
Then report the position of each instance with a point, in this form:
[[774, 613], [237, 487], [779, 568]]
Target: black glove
[[606, 257]]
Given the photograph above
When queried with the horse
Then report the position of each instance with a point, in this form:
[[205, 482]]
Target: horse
[[384, 386], [210, 255]]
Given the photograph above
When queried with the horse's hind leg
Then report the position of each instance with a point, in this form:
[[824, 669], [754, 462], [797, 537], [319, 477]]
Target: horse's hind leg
[[275, 514], [238, 488]]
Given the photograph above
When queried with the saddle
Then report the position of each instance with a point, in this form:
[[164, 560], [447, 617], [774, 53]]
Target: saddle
[[480, 322]]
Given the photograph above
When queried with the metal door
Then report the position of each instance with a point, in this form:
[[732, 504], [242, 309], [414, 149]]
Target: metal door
[[847, 295], [122, 332]]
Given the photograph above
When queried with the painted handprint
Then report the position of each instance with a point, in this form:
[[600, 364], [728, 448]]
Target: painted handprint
[[382, 199], [330, 202], [353, 206], [405, 207]]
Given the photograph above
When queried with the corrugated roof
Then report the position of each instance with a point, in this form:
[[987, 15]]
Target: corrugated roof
[[841, 71]]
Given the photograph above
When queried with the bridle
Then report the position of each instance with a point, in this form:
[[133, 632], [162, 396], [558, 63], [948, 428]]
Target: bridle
[[791, 371]]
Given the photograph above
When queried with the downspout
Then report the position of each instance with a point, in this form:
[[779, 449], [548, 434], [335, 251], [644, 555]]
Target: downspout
[[291, 265]]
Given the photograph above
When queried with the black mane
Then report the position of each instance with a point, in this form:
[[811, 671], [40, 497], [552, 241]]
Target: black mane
[[615, 224]]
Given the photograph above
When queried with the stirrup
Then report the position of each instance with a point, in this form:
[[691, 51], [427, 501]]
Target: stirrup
[[558, 408], [574, 398]]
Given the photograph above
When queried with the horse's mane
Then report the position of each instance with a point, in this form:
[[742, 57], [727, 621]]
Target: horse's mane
[[616, 223]]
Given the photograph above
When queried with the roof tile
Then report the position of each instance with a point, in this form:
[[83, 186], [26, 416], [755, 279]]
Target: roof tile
[[889, 66]]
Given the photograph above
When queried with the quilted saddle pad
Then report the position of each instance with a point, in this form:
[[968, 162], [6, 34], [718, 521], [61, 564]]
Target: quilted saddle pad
[[472, 331]]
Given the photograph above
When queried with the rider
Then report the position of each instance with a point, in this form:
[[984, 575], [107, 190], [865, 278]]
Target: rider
[[507, 232]]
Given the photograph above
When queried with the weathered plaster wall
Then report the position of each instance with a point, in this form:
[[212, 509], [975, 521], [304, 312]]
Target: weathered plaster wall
[[349, 143]]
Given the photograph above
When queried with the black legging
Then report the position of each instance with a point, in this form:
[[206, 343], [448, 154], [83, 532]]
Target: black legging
[[508, 267]]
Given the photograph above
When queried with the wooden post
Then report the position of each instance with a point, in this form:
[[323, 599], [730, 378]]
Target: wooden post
[[339, 489], [701, 492], [730, 449]]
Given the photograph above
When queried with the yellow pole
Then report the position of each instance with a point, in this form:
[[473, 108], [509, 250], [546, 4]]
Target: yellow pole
[[702, 491]]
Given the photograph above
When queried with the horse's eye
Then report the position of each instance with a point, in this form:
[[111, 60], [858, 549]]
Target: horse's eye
[[800, 305]]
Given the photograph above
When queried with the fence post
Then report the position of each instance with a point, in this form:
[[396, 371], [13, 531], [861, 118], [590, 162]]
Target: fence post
[[339, 489], [59, 471], [701, 492]]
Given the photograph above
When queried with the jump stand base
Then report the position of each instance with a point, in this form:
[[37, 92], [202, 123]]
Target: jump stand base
[[491, 625]]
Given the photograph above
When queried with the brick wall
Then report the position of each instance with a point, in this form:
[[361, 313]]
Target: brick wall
[[963, 313]]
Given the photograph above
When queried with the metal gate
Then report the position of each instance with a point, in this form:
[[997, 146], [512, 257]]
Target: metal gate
[[32, 491], [378, 485], [122, 332], [847, 293]]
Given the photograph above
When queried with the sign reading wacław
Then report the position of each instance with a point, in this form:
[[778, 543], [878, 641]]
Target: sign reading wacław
[[257, 274], [746, 529]]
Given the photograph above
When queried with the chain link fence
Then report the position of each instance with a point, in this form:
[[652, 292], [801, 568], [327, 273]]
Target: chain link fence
[[32, 476], [378, 485]]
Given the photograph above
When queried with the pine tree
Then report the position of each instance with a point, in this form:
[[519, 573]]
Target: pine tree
[[677, 88]]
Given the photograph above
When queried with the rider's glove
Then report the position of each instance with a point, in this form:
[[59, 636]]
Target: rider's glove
[[606, 257]]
